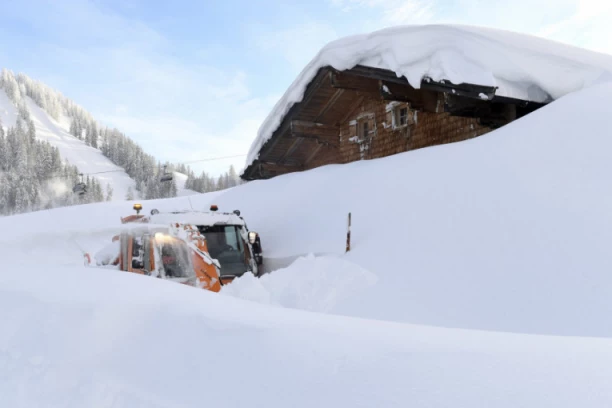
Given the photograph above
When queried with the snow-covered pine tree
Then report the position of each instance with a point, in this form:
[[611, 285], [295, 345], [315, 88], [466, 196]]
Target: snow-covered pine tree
[[109, 192]]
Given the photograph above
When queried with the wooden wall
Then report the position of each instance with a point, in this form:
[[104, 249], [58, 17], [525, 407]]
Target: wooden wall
[[423, 129]]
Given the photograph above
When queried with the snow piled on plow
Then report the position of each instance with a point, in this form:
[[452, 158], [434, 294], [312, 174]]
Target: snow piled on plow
[[310, 283]]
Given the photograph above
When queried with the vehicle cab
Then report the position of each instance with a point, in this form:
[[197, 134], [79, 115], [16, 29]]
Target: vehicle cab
[[228, 239]]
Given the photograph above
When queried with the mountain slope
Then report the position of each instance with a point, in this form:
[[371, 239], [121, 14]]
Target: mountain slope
[[88, 159], [106, 155]]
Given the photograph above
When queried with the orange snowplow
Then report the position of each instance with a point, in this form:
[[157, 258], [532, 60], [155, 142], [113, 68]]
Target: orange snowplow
[[228, 240], [178, 253]]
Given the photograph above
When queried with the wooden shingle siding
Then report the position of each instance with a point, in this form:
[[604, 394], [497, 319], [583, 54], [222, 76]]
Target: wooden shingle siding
[[424, 129]]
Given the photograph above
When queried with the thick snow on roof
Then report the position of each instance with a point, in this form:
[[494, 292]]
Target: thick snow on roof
[[521, 66]]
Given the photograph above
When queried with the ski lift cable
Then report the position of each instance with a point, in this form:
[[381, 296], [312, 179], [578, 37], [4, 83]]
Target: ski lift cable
[[213, 158], [165, 167]]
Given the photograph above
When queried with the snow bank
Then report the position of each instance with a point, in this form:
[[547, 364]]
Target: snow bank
[[78, 337], [309, 283], [509, 231], [522, 66], [107, 254]]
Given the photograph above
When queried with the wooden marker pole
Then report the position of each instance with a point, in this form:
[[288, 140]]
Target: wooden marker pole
[[348, 234]]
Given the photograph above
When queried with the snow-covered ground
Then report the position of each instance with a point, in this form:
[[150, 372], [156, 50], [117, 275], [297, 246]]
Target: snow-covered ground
[[479, 276]]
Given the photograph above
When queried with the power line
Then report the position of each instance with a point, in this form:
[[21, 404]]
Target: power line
[[101, 172], [212, 158], [123, 170]]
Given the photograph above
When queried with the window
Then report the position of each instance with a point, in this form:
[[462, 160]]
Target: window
[[402, 116], [225, 244], [176, 259], [399, 115], [366, 127]]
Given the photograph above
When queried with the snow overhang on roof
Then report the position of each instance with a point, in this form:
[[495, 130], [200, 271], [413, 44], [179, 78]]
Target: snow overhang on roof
[[515, 67]]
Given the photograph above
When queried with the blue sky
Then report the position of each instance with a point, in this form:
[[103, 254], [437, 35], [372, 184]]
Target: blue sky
[[193, 80]]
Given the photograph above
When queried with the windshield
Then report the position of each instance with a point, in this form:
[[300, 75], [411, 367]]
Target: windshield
[[225, 245], [175, 258]]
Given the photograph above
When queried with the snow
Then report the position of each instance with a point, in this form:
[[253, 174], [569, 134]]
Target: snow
[[197, 217], [521, 66], [8, 111], [310, 283], [107, 254], [478, 276], [180, 180], [88, 159], [74, 337]]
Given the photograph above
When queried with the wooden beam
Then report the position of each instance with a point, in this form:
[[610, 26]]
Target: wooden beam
[[313, 154], [298, 141], [311, 89], [479, 92], [313, 128], [377, 73], [401, 93], [420, 99], [350, 109], [342, 80], [267, 170], [323, 133], [331, 102]]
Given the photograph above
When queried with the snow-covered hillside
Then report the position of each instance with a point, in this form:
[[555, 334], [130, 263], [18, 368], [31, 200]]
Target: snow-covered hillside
[[8, 111], [88, 159], [453, 247]]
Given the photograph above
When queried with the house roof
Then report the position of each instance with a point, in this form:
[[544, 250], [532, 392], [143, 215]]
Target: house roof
[[516, 67]]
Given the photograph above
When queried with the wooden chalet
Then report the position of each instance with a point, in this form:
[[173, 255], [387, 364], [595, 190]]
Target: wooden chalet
[[366, 113]]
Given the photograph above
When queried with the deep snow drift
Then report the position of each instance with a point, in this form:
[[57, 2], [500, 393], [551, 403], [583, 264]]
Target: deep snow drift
[[73, 337], [509, 231], [506, 232], [521, 66]]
